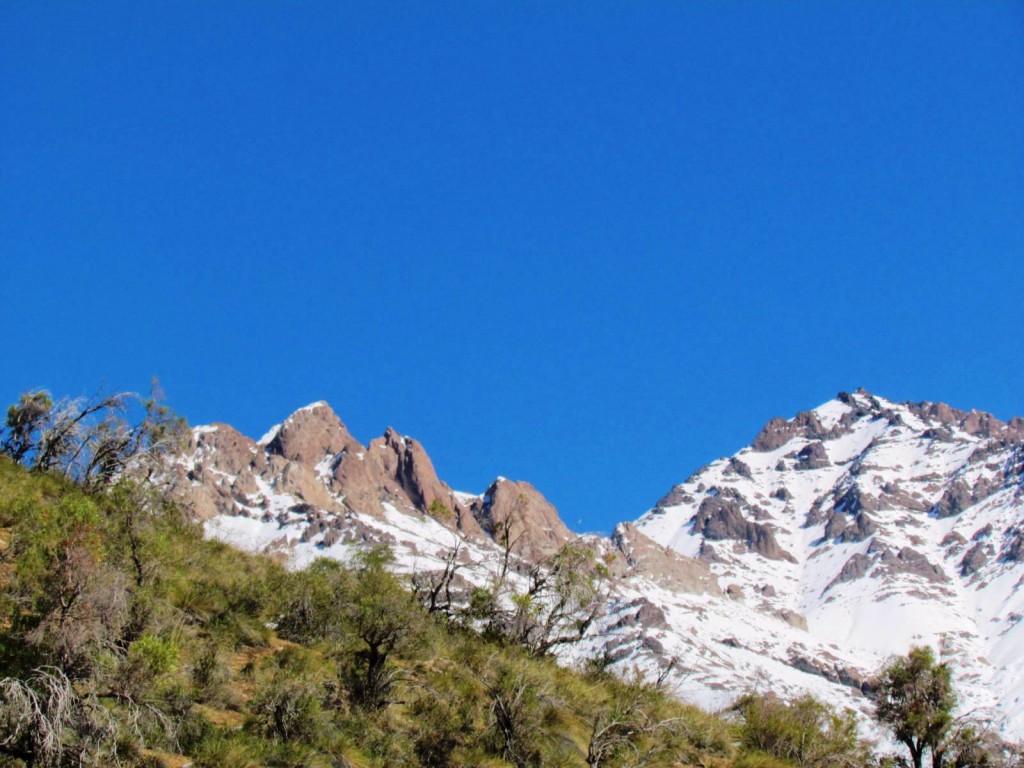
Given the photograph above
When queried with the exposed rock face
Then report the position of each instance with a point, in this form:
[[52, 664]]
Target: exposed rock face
[[661, 564], [641, 613], [909, 561], [833, 672], [720, 518], [230, 451], [222, 473], [842, 529], [358, 480], [775, 433], [974, 559], [854, 568], [308, 435], [535, 530], [311, 465], [1013, 551], [738, 467], [407, 473], [677, 495], [812, 456], [893, 517], [959, 496]]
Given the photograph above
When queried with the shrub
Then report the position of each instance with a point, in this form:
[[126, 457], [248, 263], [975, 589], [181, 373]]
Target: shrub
[[805, 731]]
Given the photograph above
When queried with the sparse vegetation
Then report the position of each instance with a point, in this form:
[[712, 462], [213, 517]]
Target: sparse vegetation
[[126, 639], [916, 701]]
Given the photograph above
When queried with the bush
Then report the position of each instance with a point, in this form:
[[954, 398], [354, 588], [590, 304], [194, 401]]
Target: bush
[[806, 732]]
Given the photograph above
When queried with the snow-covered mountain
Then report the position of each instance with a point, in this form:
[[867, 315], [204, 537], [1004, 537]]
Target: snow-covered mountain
[[871, 526], [839, 537]]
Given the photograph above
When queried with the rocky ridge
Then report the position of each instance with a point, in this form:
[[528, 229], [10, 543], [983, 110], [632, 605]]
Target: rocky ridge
[[881, 525], [838, 537]]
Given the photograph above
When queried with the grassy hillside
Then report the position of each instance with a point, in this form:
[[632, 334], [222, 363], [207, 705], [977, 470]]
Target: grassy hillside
[[126, 639]]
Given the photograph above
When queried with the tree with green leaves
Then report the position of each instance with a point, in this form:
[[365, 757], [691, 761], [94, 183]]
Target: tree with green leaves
[[91, 440], [805, 731], [384, 618], [26, 419], [915, 702]]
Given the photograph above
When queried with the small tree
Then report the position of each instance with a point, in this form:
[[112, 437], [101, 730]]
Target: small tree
[[561, 602], [91, 440], [915, 702], [25, 420], [433, 589], [384, 618], [805, 731], [311, 601], [517, 708]]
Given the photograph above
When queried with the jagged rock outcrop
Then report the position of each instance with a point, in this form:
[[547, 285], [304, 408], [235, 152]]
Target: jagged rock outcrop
[[660, 564], [959, 495], [854, 568], [974, 559], [843, 535], [308, 435], [720, 517], [841, 528], [902, 523], [406, 473], [521, 512], [812, 456], [313, 460], [222, 473]]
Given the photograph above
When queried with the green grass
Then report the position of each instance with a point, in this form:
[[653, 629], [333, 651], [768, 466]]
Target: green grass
[[180, 654]]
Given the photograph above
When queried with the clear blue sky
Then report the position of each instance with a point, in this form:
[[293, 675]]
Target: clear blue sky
[[590, 245]]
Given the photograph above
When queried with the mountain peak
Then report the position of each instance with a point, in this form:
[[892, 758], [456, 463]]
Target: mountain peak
[[309, 434], [862, 513], [779, 562]]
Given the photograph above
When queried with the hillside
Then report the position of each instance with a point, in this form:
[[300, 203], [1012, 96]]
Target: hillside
[[127, 639], [870, 526], [838, 538], [388, 619]]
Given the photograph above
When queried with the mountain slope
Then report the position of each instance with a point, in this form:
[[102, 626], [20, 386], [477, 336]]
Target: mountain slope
[[837, 538], [882, 525]]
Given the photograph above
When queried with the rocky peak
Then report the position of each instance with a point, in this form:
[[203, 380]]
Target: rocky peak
[[234, 452], [308, 435], [862, 513], [310, 467], [720, 517], [405, 468], [534, 527]]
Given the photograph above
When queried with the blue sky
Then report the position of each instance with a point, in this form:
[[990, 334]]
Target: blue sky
[[590, 245]]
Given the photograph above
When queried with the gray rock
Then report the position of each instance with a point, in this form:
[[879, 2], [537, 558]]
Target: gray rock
[[662, 564], [720, 518], [1013, 550], [855, 568], [734, 592], [955, 500], [952, 539], [812, 456], [910, 561], [737, 467], [793, 618], [973, 559], [642, 612]]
